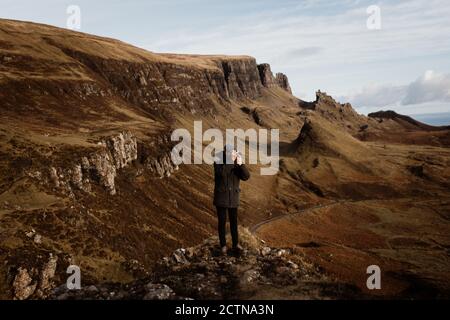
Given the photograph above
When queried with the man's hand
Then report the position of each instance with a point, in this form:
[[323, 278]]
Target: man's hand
[[238, 159], [234, 155]]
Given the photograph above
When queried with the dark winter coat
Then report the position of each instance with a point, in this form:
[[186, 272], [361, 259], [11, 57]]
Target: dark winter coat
[[226, 184]]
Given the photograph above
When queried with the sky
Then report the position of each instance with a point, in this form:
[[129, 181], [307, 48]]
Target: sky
[[398, 59]]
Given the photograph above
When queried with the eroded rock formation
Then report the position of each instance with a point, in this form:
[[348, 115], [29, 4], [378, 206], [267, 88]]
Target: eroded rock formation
[[266, 75], [35, 283], [283, 82], [268, 80], [23, 285], [103, 165]]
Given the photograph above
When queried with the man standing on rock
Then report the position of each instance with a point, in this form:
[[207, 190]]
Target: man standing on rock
[[227, 175]]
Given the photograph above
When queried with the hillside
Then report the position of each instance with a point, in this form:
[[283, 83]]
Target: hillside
[[86, 176]]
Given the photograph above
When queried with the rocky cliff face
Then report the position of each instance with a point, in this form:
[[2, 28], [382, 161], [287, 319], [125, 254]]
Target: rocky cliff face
[[156, 86], [266, 75], [103, 165], [241, 78], [269, 80]]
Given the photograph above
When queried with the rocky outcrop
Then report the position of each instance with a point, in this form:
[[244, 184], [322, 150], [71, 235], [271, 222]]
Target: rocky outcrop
[[325, 101], [341, 114], [324, 98], [34, 284], [116, 153], [202, 272], [47, 274], [266, 75], [306, 132], [283, 82], [101, 166], [269, 81], [23, 285], [123, 149], [113, 154], [155, 157], [161, 166]]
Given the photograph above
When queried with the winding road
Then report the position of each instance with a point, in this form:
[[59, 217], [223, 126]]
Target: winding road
[[255, 227]]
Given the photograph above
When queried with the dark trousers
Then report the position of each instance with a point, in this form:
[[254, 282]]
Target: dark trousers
[[222, 215]]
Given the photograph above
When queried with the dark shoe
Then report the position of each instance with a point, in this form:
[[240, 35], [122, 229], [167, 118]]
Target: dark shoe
[[224, 250], [237, 249]]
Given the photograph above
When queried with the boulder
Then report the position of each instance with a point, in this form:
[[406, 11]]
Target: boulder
[[23, 286], [158, 292]]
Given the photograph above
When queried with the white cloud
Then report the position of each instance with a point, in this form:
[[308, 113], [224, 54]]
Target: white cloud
[[428, 94], [303, 52], [430, 87], [375, 96]]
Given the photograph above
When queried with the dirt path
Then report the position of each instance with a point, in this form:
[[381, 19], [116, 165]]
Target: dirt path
[[255, 227]]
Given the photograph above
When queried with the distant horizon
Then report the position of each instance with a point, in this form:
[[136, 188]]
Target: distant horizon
[[433, 119]]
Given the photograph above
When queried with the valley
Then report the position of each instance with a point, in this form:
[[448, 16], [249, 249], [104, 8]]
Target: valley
[[86, 175]]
